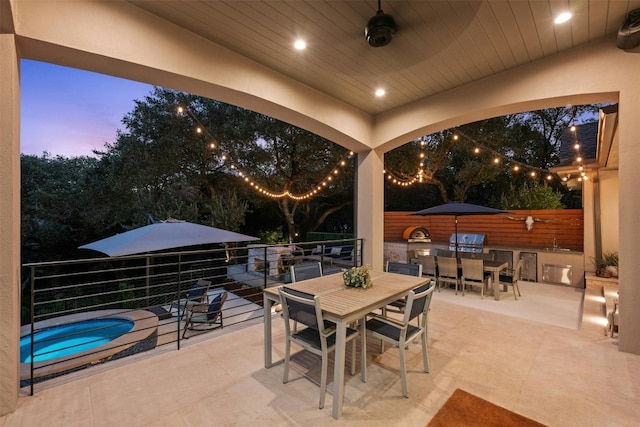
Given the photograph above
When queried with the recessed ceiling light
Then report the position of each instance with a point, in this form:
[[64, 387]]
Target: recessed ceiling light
[[300, 44], [380, 92], [562, 18]]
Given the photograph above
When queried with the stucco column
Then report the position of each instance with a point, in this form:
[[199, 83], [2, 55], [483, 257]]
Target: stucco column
[[9, 223], [370, 207], [629, 173]]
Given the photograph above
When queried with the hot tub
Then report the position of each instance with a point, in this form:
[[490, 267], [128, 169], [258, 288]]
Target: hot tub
[[69, 343]]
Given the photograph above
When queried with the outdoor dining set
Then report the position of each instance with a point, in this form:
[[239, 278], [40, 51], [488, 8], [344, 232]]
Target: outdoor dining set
[[322, 314], [468, 270]]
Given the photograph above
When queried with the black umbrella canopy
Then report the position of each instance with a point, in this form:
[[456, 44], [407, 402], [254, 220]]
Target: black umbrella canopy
[[457, 209]]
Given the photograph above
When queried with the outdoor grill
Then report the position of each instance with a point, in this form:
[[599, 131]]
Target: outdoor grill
[[467, 242]]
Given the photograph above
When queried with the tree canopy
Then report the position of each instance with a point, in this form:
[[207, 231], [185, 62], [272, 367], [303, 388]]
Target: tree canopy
[[484, 163]]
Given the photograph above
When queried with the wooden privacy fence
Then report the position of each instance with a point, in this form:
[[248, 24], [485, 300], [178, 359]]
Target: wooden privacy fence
[[565, 225]]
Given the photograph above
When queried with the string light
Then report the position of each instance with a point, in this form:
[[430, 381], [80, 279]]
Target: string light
[[579, 157], [315, 189], [478, 147]]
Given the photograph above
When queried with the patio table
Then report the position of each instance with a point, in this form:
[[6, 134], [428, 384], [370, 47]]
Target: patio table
[[342, 305], [495, 267]]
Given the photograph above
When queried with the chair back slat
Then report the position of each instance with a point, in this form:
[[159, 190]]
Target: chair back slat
[[517, 272], [305, 271], [472, 269], [300, 307], [419, 300], [402, 268], [428, 263], [448, 267]]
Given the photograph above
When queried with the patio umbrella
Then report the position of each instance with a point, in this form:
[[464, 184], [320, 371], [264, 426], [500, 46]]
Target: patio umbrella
[[457, 209], [163, 235]]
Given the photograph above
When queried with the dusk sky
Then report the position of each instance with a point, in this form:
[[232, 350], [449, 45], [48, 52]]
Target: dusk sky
[[70, 112]]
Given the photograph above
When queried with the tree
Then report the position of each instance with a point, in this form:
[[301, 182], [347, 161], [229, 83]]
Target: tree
[[53, 216], [531, 196], [174, 162]]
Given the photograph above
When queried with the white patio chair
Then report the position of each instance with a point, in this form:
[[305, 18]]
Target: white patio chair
[[318, 336], [401, 332]]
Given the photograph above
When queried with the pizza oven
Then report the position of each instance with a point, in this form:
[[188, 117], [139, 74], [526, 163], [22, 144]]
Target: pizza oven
[[416, 234]]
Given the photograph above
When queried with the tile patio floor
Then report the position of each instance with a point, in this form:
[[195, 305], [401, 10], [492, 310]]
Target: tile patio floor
[[557, 376]]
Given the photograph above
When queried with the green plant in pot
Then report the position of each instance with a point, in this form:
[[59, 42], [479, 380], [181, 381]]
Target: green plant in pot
[[607, 264]]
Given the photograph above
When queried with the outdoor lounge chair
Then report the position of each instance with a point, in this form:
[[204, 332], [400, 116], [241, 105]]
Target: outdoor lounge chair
[[207, 314], [198, 293]]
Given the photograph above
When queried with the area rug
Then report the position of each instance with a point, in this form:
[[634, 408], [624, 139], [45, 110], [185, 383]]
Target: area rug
[[464, 409]]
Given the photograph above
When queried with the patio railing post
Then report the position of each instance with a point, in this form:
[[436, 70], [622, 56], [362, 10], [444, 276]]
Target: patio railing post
[[32, 343], [178, 298]]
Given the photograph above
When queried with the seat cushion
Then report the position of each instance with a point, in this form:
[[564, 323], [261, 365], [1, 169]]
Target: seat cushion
[[196, 291], [335, 251], [311, 336], [381, 328], [214, 307], [506, 278]]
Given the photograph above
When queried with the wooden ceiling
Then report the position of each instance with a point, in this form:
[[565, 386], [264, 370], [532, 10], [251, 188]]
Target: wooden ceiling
[[438, 46]]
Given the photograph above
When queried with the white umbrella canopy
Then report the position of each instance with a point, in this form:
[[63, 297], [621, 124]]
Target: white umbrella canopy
[[163, 235]]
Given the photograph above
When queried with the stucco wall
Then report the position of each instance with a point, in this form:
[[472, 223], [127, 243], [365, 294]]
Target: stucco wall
[[609, 210]]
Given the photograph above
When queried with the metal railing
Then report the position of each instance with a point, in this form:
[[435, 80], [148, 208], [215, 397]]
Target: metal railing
[[80, 313]]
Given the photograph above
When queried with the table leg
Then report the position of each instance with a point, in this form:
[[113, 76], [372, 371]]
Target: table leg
[[338, 370], [363, 350], [496, 285], [267, 302]]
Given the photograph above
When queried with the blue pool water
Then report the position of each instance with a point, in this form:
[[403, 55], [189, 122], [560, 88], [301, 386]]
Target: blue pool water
[[65, 340]]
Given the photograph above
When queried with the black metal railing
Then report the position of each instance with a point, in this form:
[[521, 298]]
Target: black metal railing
[[80, 313]]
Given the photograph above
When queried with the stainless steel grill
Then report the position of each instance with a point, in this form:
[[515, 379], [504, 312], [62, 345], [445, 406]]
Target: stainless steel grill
[[467, 242]]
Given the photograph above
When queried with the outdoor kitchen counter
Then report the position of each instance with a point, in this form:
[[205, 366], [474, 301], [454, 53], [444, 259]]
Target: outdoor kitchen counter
[[560, 266]]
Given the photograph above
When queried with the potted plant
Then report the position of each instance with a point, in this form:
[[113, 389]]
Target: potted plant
[[357, 277], [607, 264]]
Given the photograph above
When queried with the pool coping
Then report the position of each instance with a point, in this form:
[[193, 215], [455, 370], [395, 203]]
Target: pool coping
[[145, 324]]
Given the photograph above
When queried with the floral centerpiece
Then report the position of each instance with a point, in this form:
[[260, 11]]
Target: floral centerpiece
[[357, 277]]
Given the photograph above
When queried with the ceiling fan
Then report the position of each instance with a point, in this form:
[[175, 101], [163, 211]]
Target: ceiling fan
[[380, 28]]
